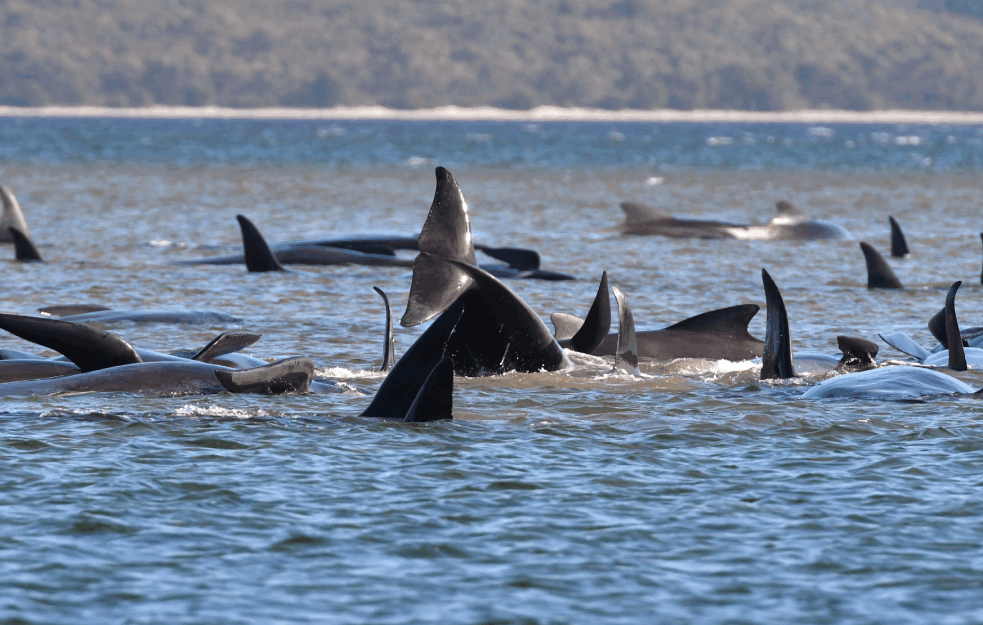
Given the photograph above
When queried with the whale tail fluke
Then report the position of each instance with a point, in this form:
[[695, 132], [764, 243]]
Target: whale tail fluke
[[776, 360], [389, 348], [259, 257], [24, 249], [435, 399], [626, 354], [88, 348], [879, 273], [899, 246], [291, 375]]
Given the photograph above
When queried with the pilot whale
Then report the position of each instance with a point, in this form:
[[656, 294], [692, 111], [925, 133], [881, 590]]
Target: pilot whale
[[12, 216]]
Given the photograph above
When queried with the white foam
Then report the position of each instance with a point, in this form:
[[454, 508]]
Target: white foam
[[218, 411], [340, 373]]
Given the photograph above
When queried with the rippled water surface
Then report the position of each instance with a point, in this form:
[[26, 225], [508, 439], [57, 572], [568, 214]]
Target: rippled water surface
[[694, 495]]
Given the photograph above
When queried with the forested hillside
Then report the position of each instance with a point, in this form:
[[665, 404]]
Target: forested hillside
[[644, 54]]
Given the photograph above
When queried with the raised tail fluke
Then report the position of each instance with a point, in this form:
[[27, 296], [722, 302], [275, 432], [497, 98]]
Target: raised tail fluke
[[389, 348], [292, 375], [879, 273], [626, 355], [776, 360], [598, 322], [259, 257], [899, 247], [957, 355], [24, 249], [435, 399], [88, 348]]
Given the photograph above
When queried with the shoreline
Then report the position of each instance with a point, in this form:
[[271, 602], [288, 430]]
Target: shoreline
[[539, 114]]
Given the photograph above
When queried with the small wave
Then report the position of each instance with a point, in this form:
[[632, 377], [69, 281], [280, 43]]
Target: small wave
[[340, 373], [218, 411]]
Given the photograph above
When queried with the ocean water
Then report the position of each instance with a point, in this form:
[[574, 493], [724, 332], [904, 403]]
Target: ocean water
[[696, 494]]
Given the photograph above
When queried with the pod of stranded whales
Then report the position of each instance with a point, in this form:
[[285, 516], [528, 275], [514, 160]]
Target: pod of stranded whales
[[479, 328]]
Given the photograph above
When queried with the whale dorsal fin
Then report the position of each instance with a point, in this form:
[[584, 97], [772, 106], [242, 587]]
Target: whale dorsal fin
[[899, 246], [598, 322], [879, 273], [788, 213], [226, 343], [626, 355], [88, 348], [435, 399], [24, 249], [732, 321], [12, 215], [566, 325], [635, 212], [957, 355], [259, 256], [291, 375], [444, 241], [858, 354], [389, 348], [776, 360], [906, 345]]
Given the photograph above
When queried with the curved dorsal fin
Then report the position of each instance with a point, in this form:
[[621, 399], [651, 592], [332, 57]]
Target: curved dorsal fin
[[435, 399], [776, 360], [389, 348], [598, 322], [447, 231], [784, 208], [259, 256], [626, 355], [957, 355], [635, 212], [732, 321], [899, 246], [879, 273], [24, 249], [88, 348], [12, 216]]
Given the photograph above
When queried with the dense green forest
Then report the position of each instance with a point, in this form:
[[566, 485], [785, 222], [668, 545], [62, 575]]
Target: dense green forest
[[642, 54]]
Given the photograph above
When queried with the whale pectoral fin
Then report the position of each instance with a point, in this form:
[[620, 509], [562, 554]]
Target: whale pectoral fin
[[517, 258], [776, 359], [635, 212], [226, 343], [906, 345], [435, 398], [88, 348], [285, 376], [24, 249], [598, 322], [389, 348], [437, 283], [899, 246], [259, 256], [732, 321], [879, 273], [626, 355], [565, 325]]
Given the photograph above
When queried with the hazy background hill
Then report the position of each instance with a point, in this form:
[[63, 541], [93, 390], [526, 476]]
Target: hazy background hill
[[733, 54]]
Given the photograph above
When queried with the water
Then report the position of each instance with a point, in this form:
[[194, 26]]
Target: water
[[695, 495]]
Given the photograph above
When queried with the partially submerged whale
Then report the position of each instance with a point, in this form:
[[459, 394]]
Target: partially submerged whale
[[12, 216], [80, 313], [791, 223]]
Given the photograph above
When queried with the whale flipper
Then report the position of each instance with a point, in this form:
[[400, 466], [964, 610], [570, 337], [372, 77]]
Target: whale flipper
[[12, 216], [879, 273], [906, 345], [90, 349], [776, 360], [284, 376], [957, 355], [226, 343], [389, 349], [435, 399], [626, 355], [259, 256], [598, 321], [24, 249], [899, 247], [858, 354]]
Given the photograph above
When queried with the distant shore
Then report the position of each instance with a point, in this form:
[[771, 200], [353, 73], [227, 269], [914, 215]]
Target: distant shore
[[539, 114]]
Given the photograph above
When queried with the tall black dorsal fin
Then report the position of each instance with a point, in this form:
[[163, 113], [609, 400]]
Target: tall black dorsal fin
[[858, 354], [389, 348], [291, 375], [899, 247], [636, 212], [879, 273], [517, 258], [226, 343], [598, 322], [447, 231], [731, 321], [24, 249], [957, 355], [776, 360], [12, 216], [259, 256], [90, 349], [626, 355], [435, 399]]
